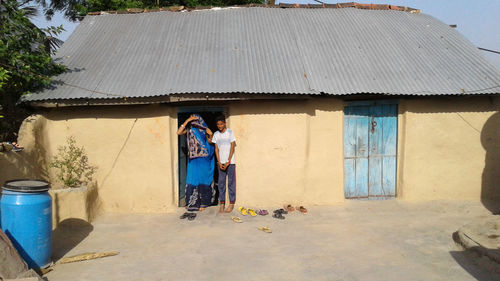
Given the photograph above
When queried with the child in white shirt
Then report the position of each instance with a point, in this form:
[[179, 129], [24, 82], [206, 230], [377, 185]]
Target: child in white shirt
[[225, 143]]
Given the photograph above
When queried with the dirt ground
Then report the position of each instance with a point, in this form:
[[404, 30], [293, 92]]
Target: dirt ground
[[359, 240]]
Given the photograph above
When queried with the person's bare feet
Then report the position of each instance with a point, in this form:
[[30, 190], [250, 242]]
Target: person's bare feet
[[201, 209], [221, 208], [230, 208]]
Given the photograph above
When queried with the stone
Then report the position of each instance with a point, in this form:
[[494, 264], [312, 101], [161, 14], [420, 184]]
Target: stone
[[13, 266], [12, 263]]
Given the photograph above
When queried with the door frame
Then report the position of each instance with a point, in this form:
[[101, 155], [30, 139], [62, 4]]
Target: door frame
[[180, 110], [396, 102]]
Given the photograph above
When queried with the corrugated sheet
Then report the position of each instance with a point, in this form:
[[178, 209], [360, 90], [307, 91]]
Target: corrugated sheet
[[264, 50]]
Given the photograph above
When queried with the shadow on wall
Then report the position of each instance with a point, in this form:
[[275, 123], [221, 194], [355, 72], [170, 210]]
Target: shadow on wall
[[292, 106], [68, 234], [490, 139], [452, 104], [108, 112], [93, 204], [76, 203]]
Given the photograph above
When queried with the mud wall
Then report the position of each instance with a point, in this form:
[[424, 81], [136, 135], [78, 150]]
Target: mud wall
[[288, 151], [449, 148]]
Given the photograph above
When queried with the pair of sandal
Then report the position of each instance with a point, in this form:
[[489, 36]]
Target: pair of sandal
[[251, 212], [262, 212], [189, 216], [10, 146], [290, 208], [265, 229], [278, 214]]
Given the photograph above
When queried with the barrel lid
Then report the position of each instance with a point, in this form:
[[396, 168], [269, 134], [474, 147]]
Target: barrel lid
[[26, 185]]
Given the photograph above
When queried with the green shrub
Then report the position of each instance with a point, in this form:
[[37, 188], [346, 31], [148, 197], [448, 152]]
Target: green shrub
[[72, 165]]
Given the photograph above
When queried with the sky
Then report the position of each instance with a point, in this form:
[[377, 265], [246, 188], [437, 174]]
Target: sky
[[477, 20]]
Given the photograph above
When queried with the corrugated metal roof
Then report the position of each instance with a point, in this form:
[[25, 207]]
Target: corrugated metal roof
[[268, 50]]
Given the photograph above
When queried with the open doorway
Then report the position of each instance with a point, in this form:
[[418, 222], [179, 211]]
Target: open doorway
[[209, 114]]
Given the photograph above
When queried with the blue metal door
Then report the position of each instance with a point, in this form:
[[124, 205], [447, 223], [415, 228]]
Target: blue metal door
[[370, 147]]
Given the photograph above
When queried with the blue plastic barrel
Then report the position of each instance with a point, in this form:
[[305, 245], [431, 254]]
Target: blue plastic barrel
[[26, 218]]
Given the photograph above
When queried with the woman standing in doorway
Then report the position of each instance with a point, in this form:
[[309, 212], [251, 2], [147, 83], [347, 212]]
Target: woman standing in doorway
[[200, 166]]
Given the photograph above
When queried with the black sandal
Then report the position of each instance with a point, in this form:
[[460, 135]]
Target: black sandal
[[281, 211], [278, 215], [185, 215], [192, 216]]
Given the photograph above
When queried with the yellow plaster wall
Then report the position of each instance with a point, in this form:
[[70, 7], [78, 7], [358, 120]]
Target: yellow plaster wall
[[131, 147], [288, 151], [449, 148]]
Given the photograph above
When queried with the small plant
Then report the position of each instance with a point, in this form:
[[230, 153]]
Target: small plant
[[72, 164]]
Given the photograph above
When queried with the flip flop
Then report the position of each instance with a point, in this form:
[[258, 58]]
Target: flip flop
[[278, 216], [265, 229], [302, 209], [289, 208], [17, 149], [191, 216], [262, 212], [252, 212], [281, 211], [185, 215], [236, 219], [243, 211]]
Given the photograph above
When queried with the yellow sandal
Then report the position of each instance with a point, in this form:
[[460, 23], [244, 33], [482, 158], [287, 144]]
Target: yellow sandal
[[243, 211], [265, 229], [252, 212], [236, 219]]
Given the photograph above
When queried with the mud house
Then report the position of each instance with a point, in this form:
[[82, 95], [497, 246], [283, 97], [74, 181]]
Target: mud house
[[326, 104]]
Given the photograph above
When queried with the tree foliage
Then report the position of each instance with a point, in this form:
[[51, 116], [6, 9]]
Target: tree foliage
[[25, 62], [74, 9]]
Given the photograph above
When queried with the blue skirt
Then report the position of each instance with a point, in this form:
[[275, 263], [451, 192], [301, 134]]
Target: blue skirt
[[200, 171], [199, 183]]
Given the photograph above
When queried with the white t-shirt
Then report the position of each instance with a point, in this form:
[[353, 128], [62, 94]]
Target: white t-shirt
[[223, 141]]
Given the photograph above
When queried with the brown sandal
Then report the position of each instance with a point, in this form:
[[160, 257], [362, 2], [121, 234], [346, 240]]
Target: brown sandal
[[302, 209], [289, 208]]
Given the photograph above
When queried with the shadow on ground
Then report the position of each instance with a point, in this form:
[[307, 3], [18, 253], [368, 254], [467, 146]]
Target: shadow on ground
[[68, 234], [478, 266], [475, 262]]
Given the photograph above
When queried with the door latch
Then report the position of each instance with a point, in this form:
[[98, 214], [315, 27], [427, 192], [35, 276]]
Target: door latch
[[374, 124]]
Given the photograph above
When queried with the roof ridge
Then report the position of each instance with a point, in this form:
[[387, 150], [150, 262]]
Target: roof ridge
[[280, 5]]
